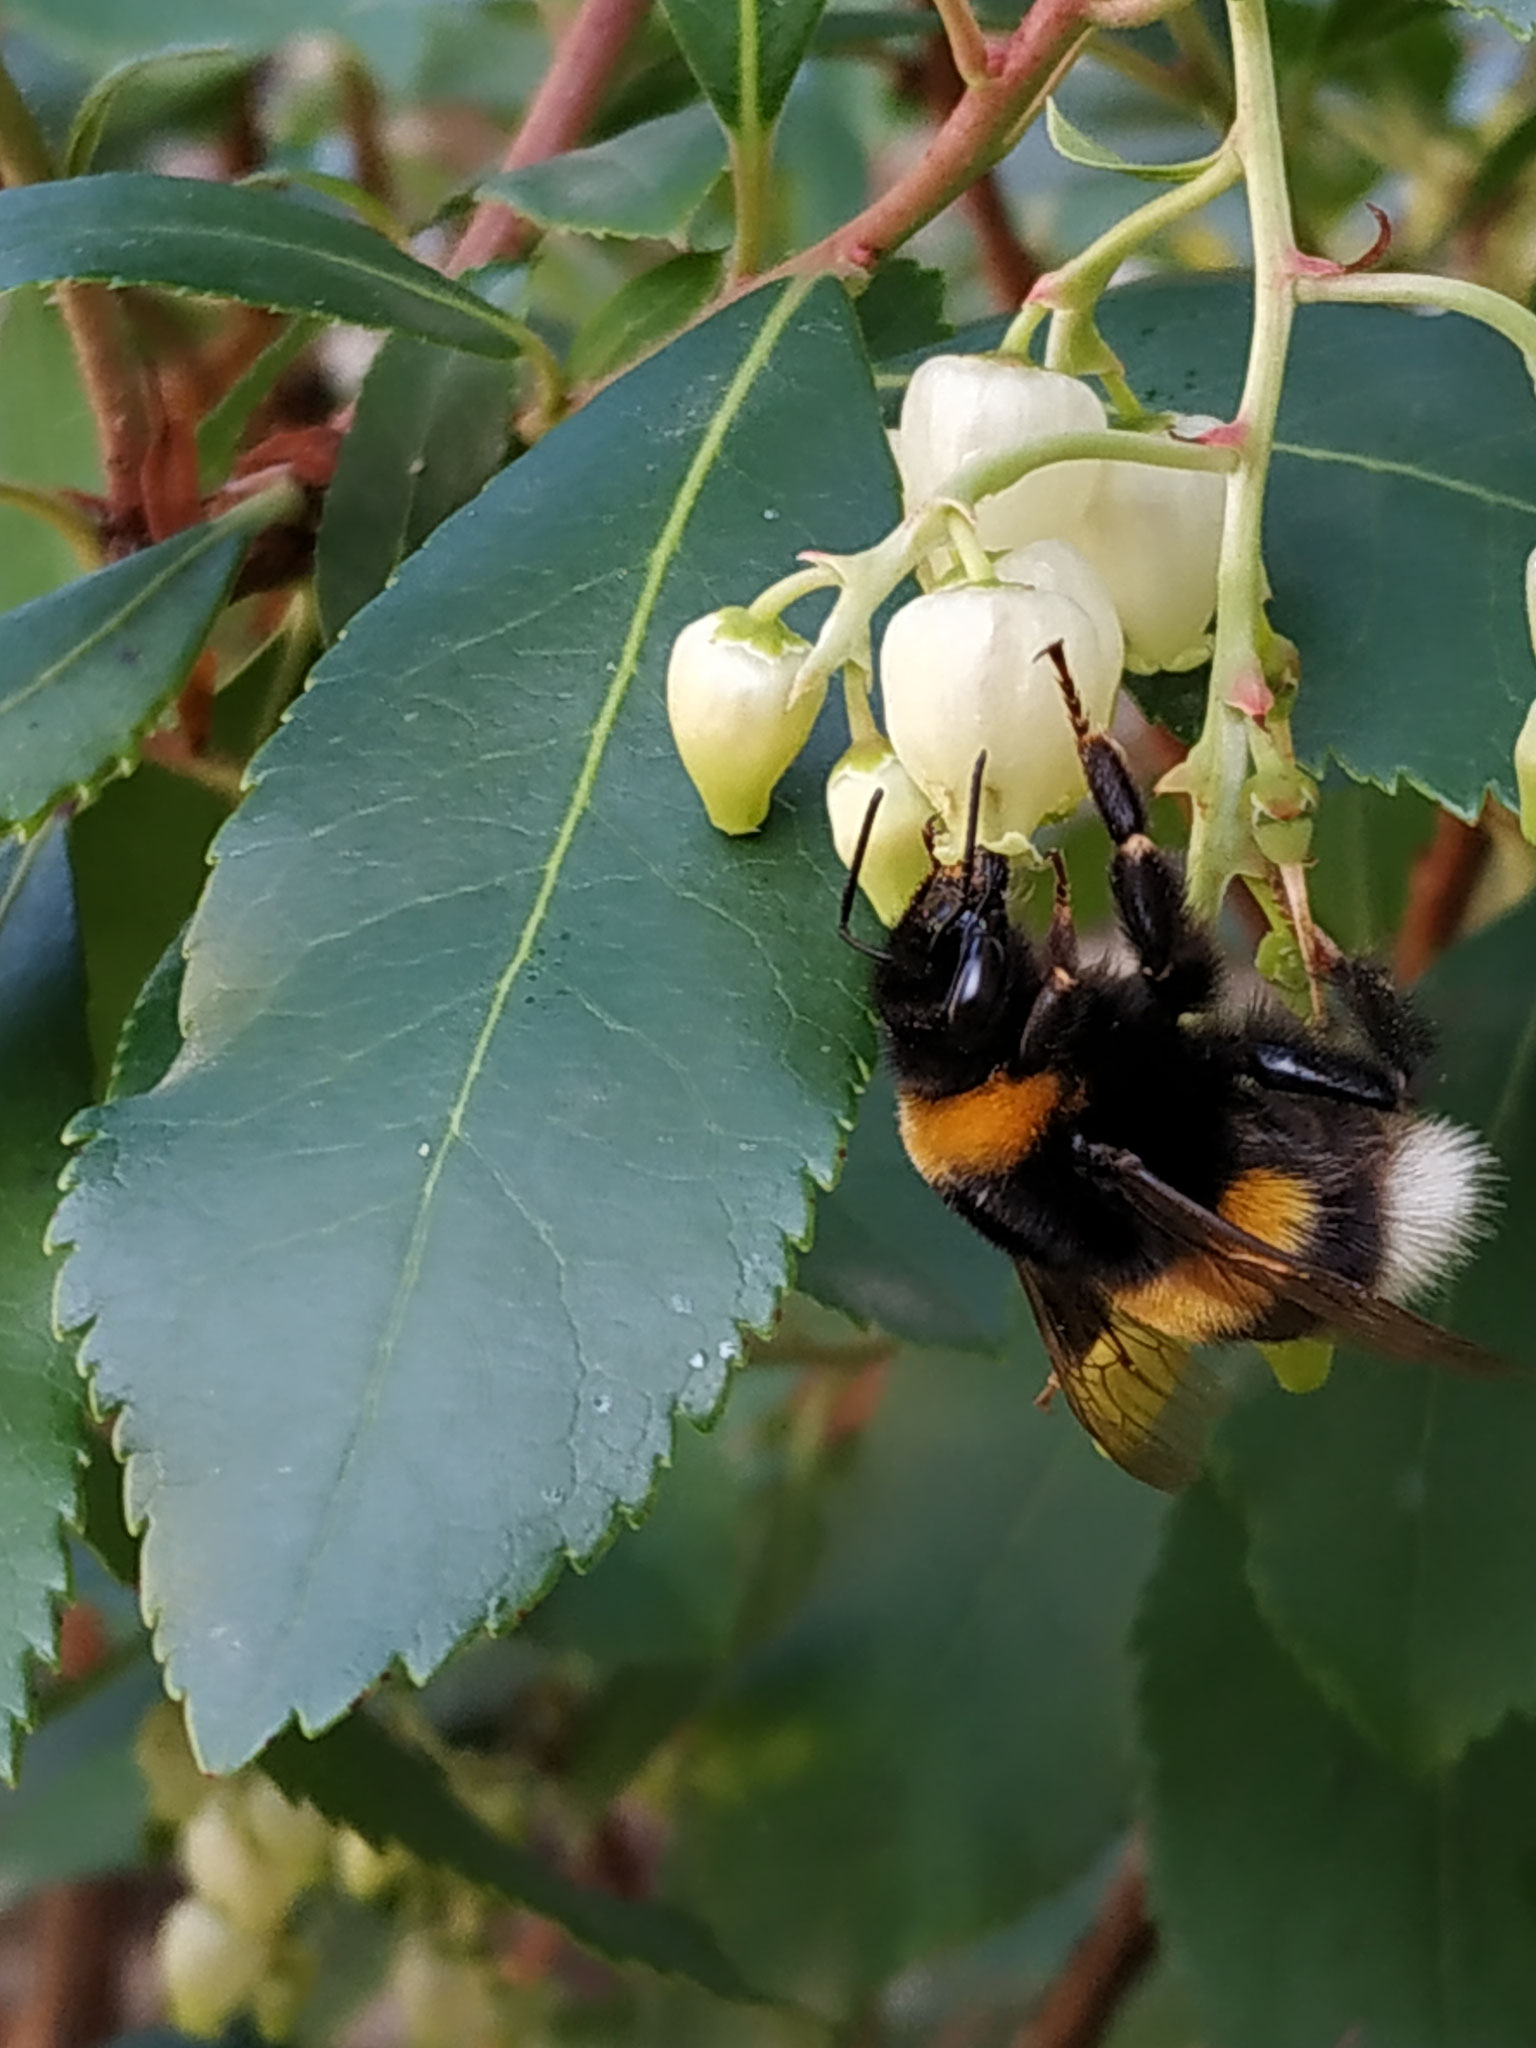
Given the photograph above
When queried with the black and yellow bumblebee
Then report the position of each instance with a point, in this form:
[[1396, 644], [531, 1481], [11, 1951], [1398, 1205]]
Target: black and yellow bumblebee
[[1166, 1174]]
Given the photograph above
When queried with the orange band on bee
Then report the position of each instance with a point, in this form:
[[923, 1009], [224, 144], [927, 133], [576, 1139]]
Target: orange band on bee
[[985, 1130], [1198, 1299]]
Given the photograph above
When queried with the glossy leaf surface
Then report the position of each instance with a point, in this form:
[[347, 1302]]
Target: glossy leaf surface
[[430, 427], [938, 1735], [744, 53], [88, 668], [1315, 1891], [649, 181], [1390, 1517], [235, 242], [504, 1073], [44, 1077], [1400, 515]]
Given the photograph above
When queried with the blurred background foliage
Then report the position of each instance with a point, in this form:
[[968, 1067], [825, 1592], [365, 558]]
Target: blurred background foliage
[[865, 1734]]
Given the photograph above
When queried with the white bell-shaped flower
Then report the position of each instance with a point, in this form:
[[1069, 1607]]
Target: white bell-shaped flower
[[210, 1968], [1154, 536], [965, 671], [957, 407], [1057, 565], [728, 686], [896, 861]]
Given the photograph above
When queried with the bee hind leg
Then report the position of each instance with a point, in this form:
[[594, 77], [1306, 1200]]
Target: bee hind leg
[[1176, 956]]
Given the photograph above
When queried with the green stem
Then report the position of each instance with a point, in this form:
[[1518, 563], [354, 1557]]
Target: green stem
[[778, 597], [986, 474], [967, 44], [1078, 284], [861, 720], [751, 153], [1217, 769], [975, 562], [1410, 288]]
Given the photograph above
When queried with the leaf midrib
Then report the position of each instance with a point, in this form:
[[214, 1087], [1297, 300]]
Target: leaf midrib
[[662, 554], [1410, 472]]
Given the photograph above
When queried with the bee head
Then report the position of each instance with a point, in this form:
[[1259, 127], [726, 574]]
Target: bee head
[[957, 979]]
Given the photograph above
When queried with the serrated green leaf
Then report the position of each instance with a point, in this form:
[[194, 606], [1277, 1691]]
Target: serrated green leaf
[[157, 68], [902, 309], [431, 427], [1518, 18], [1070, 142], [361, 1778], [1399, 518], [235, 242], [648, 182], [1314, 1891], [1364, 845], [47, 439], [505, 1072], [1390, 1517], [644, 312], [90, 667], [744, 53], [938, 1737], [887, 1251], [44, 1076]]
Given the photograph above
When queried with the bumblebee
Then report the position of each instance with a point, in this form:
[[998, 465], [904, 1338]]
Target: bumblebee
[[1166, 1174]]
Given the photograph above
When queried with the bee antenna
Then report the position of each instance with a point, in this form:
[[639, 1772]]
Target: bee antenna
[[851, 887], [973, 817], [1056, 654]]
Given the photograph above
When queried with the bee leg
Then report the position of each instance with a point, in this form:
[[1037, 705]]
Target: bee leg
[[1385, 1017], [1061, 934], [1176, 957], [1299, 1069]]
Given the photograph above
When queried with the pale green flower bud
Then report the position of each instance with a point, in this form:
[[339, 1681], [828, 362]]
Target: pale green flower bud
[[965, 671], [225, 1868], [957, 407], [1057, 565], [896, 861], [728, 687], [1154, 536], [293, 1840], [209, 1967], [1525, 774]]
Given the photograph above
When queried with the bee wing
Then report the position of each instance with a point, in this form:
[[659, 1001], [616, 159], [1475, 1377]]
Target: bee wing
[[1147, 1401], [1343, 1306]]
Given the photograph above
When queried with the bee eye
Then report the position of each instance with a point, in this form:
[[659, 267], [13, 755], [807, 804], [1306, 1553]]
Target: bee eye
[[978, 980]]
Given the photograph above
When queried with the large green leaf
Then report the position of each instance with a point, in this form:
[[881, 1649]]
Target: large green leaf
[[44, 1076], [505, 1074], [648, 182], [47, 439], [644, 312], [1401, 511], [359, 1776], [90, 667], [938, 1737], [431, 426], [1391, 1517], [1318, 1894], [235, 242], [887, 1251], [744, 53]]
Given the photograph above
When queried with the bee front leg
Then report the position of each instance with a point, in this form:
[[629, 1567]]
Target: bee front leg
[[1176, 956]]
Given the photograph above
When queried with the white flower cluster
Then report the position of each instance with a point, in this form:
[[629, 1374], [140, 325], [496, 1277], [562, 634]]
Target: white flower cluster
[[1115, 560]]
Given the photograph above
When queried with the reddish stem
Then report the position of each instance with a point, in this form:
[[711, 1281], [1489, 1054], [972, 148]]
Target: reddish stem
[[976, 134], [558, 116], [1106, 1963], [1439, 890]]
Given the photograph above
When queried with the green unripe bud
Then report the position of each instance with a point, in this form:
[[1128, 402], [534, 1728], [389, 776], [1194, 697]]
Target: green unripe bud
[[728, 698], [896, 860], [176, 1787], [957, 407], [210, 1968], [292, 1840], [1525, 774], [226, 1869]]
